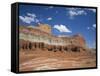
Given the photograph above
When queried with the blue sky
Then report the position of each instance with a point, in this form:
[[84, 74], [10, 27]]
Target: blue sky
[[63, 20]]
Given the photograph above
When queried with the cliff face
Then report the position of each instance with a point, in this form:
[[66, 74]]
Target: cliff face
[[80, 39], [36, 37], [40, 50], [44, 27]]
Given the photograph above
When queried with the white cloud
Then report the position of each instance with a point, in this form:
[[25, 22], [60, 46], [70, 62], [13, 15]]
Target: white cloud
[[31, 15], [94, 25], [56, 12], [29, 18], [51, 7], [62, 28], [49, 18], [72, 8], [88, 28], [79, 11], [73, 13], [93, 10], [26, 19]]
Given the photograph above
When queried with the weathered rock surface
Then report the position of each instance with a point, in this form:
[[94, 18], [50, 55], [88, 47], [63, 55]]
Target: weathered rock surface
[[40, 50]]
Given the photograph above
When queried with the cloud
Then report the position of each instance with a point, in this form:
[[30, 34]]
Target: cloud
[[62, 28], [26, 19], [73, 8], [37, 21], [51, 7], [93, 10], [30, 17], [56, 12], [49, 18], [94, 25], [88, 28], [73, 12]]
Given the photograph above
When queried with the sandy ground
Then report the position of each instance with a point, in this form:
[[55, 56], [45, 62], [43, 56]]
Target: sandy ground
[[30, 60]]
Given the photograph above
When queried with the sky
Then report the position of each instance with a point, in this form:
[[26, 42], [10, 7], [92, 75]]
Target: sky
[[65, 21]]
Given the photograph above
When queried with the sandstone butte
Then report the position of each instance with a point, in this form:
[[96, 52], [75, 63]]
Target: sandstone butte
[[39, 49]]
